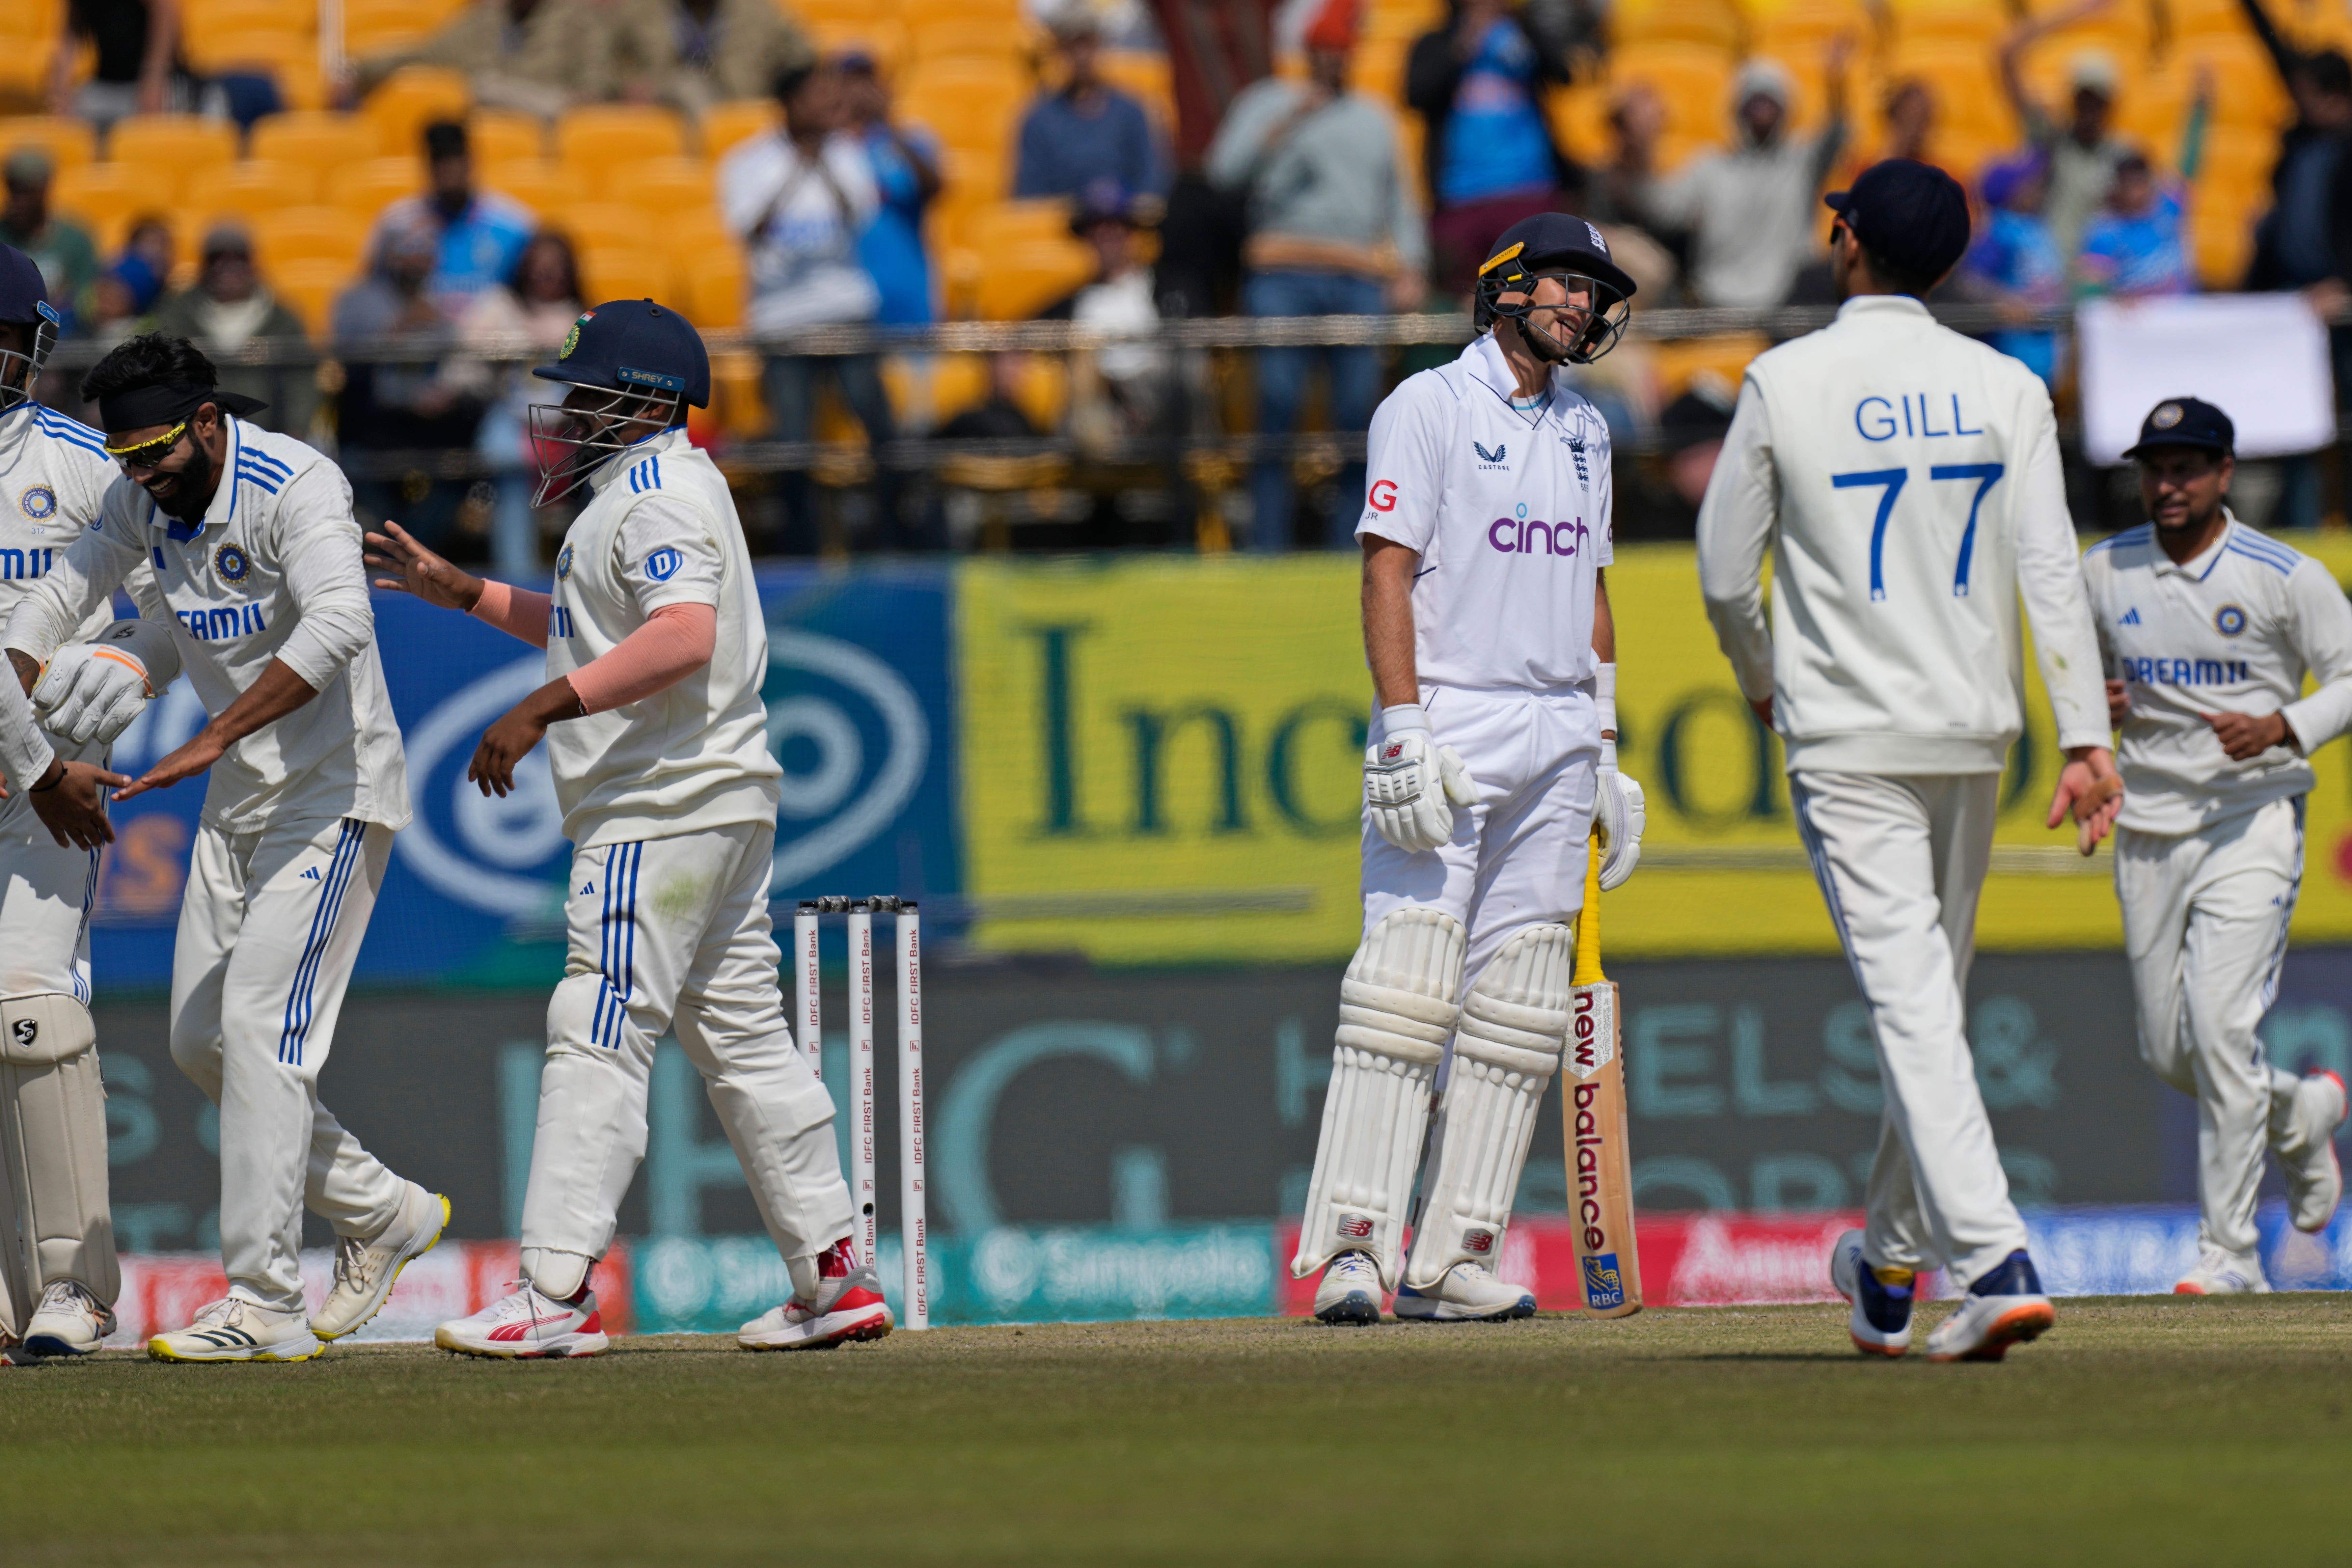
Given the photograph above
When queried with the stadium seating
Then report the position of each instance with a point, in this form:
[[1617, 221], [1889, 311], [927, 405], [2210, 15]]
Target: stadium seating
[[309, 289], [608, 225], [727, 123], [411, 99], [252, 187], [595, 138], [627, 273], [502, 135], [309, 233], [1714, 24], [542, 185], [663, 185], [366, 188], [70, 143], [322, 140], [171, 147]]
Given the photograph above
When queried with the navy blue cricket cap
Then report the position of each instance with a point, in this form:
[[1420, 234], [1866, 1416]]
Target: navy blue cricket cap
[[2186, 421], [634, 345], [23, 293], [1914, 215], [1545, 241]]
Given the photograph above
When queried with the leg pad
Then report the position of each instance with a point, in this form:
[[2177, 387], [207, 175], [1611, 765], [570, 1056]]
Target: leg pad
[[53, 1137]]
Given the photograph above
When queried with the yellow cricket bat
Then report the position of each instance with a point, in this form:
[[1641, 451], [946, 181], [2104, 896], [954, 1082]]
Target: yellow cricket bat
[[1600, 1158]]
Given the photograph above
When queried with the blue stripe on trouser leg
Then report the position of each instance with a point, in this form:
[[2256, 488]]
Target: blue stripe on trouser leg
[[616, 958], [299, 995]]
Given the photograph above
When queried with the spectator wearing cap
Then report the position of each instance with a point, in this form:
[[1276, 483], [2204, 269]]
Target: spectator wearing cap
[[1334, 230], [480, 233], [1477, 83], [396, 419], [1120, 300], [229, 307], [540, 57], [1085, 130], [1749, 212], [906, 160], [2304, 241], [692, 54], [2013, 264], [136, 67], [58, 247], [2084, 150]]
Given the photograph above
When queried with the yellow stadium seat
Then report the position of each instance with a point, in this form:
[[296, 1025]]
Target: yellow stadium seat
[[542, 185], [1966, 84], [879, 35], [607, 225], [1018, 282], [309, 233], [368, 189], [1713, 23], [715, 281], [504, 135], [921, 14], [693, 232], [973, 174], [24, 62], [662, 184], [2201, 19], [1377, 69], [101, 194], [252, 187], [322, 140], [411, 99], [275, 51], [1801, 26], [1143, 74], [1003, 225], [68, 143], [725, 124], [1674, 363], [310, 289], [626, 273], [965, 103], [1693, 83], [171, 147], [1970, 22], [969, 37], [2246, 88], [203, 17], [373, 32], [595, 139], [1402, 18], [2222, 241]]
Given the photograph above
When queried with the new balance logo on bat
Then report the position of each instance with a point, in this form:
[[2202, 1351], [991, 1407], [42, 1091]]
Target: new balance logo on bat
[[1592, 1042]]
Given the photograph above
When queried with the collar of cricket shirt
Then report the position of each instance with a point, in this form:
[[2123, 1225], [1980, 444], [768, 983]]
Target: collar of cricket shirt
[[2200, 566], [660, 444], [223, 510], [1876, 304], [1490, 369]]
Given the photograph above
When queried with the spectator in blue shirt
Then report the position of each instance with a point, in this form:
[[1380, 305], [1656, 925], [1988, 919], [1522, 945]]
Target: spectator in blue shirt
[[2132, 248], [1089, 131], [2015, 262], [481, 234], [906, 177]]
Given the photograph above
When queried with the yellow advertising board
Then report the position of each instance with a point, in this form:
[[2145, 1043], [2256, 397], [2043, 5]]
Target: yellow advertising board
[[1159, 764]]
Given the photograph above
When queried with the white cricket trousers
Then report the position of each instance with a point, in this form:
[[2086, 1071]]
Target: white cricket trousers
[[673, 933], [2205, 923], [1901, 862], [269, 928]]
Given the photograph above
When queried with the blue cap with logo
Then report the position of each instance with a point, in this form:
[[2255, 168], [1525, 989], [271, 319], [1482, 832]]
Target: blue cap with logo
[[634, 345], [1914, 215], [2186, 421], [23, 293]]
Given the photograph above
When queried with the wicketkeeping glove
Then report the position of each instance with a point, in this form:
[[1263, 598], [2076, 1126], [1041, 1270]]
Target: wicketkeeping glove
[[92, 691], [1410, 780], [1619, 814]]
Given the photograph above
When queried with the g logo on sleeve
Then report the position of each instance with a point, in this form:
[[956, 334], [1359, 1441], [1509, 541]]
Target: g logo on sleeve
[[1384, 495], [662, 564]]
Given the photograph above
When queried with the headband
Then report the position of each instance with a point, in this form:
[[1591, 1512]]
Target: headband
[[167, 403]]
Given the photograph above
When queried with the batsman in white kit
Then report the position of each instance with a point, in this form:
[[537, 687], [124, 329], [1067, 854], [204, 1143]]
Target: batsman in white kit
[[656, 649], [250, 539], [1907, 481], [2209, 630], [59, 1277], [1485, 528]]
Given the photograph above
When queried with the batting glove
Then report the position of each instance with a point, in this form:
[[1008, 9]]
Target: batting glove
[[91, 692], [1412, 784], [1619, 814]]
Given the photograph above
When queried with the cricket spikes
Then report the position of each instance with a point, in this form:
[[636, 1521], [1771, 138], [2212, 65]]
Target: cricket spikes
[[1514, 1024], [1397, 1008]]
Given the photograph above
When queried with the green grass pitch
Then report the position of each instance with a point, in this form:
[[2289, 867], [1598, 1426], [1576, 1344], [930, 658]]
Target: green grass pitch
[[2140, 1431]]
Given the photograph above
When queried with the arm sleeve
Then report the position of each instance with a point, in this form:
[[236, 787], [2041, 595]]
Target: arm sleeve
[[1407, 229], [318, 551], [1676, 203], [674, 643], [518, 612], [666, 553], [2322, 633], [2049, 580], [1233, 157], [81, 583], [1736, 522], [1404, 466], [1031, 174]]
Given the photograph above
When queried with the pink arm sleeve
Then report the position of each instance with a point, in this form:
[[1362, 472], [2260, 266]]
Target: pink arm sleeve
[[518, 612], [676, 641]]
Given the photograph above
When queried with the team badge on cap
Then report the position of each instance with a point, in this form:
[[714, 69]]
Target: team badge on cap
[[2229, 620], [564, 556], [2165, 416], [39, 503], [231, 564], [572, 338]]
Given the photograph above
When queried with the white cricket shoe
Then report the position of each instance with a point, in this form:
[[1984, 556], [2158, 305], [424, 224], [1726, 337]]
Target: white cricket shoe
[[847, 1306], [2314, 1180], [526, 1326], [1467, 1294], [1882, 1298], [234, 1328], [2220, 1273], [2004, 1307], [366, 1266], [1349, 1292], [68, 1322]]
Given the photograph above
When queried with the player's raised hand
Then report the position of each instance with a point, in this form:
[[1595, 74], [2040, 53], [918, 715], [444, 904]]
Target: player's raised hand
[[413, 569], [2245, 736], [72, 804], [2090, 791]]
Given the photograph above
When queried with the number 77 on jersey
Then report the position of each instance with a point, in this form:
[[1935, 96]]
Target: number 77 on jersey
[[1600, 1159]]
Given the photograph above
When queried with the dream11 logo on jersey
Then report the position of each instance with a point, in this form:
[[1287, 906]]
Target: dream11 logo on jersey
[[1522, 535]]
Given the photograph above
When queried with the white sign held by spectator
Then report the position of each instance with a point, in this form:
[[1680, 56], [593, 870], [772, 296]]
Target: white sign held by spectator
[[2260, 358]]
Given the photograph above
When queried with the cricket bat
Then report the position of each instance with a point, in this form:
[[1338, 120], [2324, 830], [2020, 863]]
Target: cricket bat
[[1600, 1159]]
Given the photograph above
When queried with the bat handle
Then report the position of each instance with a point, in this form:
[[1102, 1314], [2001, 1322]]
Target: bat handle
[[1588, 920]]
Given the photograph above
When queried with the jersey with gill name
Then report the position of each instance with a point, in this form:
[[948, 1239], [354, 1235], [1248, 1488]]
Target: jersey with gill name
[[2233, 630], [1509, 510], [661, 530]]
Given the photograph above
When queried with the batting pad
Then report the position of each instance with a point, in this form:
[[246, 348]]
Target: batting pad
[[1397, 1007], [53, 1137], [1514, 1026]]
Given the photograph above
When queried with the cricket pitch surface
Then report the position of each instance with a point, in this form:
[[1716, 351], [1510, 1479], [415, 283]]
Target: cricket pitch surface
[[2142, 1430]]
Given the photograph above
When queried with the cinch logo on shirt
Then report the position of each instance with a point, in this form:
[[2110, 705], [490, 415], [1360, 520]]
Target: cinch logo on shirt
[[2186, 671], [1518, 535], [219, 624]]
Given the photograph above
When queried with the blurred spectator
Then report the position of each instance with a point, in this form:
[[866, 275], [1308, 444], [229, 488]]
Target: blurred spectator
[[229, 307], [691, 54], [1333, 231], [127, 292], [58, 247], [1476, 83], [1907, 130], [536, 55], [1692, 428], [480, 233], [2304, 241], [906, 180], [137, 69], [1087, 131], [1751, 213], [2084, 150], [799, 199], [1120, 389], [999, 417], [2132, 250], [2013, 263], [536, 306], [396, 419]]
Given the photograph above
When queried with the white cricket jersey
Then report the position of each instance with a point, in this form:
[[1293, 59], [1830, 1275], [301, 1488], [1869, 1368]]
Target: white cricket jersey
[[1906, 480], [273, 572], [2232, 631], [1510, 513], [662, 529]]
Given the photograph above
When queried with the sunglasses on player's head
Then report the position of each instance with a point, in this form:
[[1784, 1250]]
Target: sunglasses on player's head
[[149, 454]]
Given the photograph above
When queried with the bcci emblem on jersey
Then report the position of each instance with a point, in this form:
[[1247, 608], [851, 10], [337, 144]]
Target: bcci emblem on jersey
[[2230, 620], [564, 556], [39, 503], [1604, 1284], [231, 564]]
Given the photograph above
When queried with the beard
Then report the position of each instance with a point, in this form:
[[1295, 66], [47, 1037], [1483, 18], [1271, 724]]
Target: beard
[[192, 492]]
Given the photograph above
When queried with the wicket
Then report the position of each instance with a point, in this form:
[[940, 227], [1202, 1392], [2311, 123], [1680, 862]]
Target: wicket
[[808, 1015]]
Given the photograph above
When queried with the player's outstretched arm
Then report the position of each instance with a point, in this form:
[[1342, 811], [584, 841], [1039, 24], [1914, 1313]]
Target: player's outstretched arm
[[275, 693], [409, 568], [1734, 529]]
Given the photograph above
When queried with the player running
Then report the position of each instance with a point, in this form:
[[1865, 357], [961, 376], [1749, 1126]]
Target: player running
[[59, 1277], [251, 538], [1906, 480], [2211, 628], [1485, 528], [656, 649]]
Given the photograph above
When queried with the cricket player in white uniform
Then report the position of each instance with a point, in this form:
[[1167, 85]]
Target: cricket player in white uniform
[[58, 1278], [1907, 481], [251, 540], [2209, 630], [1485, 528], [656, 649]]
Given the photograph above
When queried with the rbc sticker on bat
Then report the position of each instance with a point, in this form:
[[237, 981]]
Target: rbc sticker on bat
[[1604, 1287]]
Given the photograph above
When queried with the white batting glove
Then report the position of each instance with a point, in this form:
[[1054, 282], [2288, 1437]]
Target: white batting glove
[[91, 692], [1412, 784], [1619, 814]]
